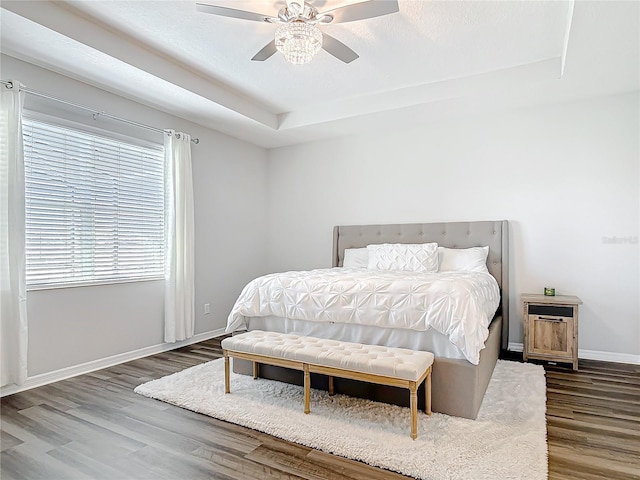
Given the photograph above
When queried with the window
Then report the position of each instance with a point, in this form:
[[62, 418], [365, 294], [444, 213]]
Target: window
[[94, 208]]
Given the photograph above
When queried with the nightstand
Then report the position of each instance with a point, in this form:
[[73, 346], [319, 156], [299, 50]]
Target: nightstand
[[551, 328]]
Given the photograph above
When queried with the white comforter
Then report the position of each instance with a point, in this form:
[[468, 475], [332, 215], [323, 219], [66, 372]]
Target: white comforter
[[459, 305]]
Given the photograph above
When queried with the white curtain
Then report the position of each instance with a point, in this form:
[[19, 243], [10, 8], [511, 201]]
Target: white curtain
[[179, 299], [13, 292]]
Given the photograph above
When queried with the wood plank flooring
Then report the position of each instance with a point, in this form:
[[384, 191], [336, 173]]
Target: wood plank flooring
[[593, 421], [94, 427]]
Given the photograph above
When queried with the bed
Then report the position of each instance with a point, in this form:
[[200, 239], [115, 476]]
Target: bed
[[458, 384]]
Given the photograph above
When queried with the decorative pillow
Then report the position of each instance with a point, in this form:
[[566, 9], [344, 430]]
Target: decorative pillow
[[407, 257], [472, 259], [356, 258]]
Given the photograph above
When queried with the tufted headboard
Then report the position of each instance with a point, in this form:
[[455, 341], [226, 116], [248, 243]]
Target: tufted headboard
[[495, 234]]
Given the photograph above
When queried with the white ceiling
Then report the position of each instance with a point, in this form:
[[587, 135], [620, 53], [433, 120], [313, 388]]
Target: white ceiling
[[432, 60]]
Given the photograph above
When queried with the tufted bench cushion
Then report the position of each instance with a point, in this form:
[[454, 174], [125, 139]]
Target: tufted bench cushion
[[373, 363], [393, 362]]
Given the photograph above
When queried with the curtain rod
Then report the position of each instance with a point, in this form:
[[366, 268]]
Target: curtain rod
[[94, 112]]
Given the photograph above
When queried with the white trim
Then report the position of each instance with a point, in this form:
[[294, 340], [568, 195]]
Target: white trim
[[514, 347], [68, 372], [57, 286], [567, 34], [594, 355]]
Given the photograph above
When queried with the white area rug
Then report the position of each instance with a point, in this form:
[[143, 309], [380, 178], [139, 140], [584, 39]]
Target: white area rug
[[506, 441]]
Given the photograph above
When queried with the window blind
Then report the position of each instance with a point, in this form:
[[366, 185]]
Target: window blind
[[94, 208]]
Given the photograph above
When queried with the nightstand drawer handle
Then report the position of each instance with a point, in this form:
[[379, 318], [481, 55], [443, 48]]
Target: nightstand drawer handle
[[547, 319]]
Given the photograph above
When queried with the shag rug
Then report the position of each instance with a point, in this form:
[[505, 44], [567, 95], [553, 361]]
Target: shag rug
[[506, 441]]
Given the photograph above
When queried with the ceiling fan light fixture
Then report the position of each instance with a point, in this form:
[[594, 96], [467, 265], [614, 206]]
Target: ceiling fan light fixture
[[298, 41]]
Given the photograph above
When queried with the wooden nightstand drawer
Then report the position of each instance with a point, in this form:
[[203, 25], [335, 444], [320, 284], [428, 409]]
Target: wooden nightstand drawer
[[551, 335], [551, 328]]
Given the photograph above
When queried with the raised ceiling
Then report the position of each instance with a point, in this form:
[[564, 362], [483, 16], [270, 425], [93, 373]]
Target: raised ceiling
[[432, 60]]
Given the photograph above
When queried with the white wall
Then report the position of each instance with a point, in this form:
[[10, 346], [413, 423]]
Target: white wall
[[72, 326], [565, 176]]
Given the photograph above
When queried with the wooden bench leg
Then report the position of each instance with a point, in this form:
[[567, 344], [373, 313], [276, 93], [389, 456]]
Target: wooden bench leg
[[331, 389], [255, 370], [307, 388], [427, 392], [226, 373], [414, 409]]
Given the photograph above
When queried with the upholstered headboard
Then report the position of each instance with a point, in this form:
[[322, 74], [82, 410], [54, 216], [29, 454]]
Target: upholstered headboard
[[495, 234]]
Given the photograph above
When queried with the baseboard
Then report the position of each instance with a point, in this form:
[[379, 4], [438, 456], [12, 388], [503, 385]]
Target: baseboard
[[594, 355], [68, 372], [64, 373]]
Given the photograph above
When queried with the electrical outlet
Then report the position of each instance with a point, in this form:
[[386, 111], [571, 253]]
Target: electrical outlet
[[207, 308]]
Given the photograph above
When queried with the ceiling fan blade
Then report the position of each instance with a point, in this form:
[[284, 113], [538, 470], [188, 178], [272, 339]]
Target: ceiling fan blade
[[362, 10], [266, 52], [233, 13], [338, 49]]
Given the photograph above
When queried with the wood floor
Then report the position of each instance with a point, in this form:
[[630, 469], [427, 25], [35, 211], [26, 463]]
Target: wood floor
[[94, 427]]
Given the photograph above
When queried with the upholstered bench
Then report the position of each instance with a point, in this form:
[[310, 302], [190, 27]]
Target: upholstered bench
[[397, 367]]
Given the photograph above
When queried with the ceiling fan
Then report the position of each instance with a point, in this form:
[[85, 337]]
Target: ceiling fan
[[298, 37]]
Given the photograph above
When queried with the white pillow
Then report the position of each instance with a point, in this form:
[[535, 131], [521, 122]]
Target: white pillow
[[407, 257], [356, 258], [472, 259]]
